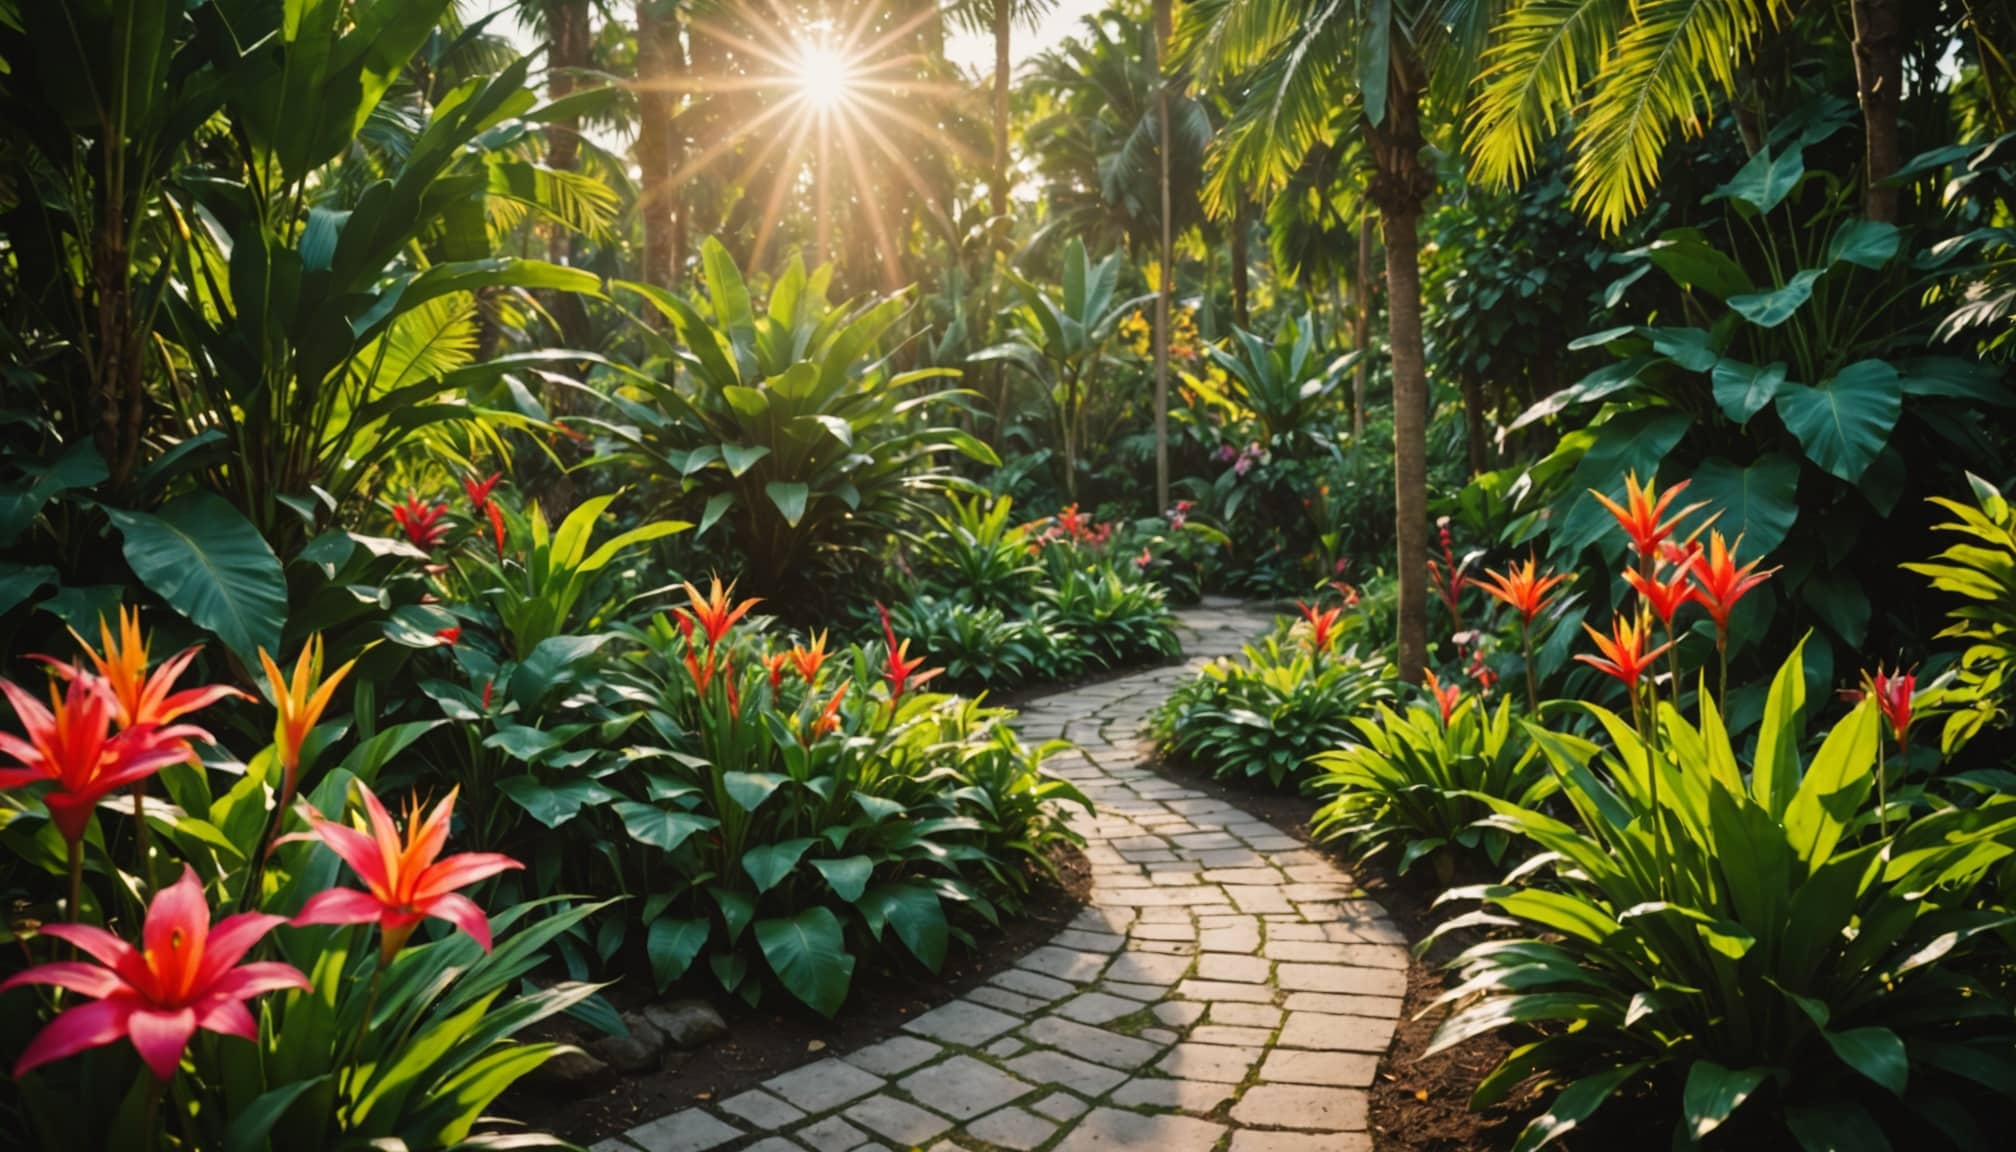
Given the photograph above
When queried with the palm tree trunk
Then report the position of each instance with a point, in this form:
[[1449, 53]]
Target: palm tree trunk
[[1879, 75], [1361, 329], [1400, 186], [1167, 287], [660, 59], [997, 193]]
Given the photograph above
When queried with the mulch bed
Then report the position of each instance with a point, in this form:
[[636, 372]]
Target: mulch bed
[[780, 1035], [1416, 1105]]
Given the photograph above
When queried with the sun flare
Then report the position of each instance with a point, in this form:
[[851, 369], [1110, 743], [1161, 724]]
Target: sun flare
[[825, 78]]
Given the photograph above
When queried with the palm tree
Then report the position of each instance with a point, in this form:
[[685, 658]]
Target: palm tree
[[661, 59], [999, 17], [1629, 71], [1310, 70]]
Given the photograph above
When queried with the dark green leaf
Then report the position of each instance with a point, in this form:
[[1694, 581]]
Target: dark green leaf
[[210, 564], [1844, 422], [808, 952]]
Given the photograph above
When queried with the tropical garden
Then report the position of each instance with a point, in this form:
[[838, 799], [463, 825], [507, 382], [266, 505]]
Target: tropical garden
[[513, 511]]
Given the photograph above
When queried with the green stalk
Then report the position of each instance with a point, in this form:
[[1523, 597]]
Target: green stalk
[[1652, 771], [1532, 687], [76, 881]]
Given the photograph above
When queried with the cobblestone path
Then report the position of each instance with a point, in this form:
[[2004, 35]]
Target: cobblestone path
[[1223, 991]]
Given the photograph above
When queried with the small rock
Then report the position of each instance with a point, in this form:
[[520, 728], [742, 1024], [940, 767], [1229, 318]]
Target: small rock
[[637, 1052], [687, 1023], [569, 1070]]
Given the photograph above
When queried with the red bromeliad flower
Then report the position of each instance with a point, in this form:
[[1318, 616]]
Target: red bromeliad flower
[[1322, 625], [1624, 654], [1446, 698], [185, 976], [479, 490], [715, 612], [1449, 584], [703, 674], [421, 522], [495, 511], [451, 635], [899, 668], [1893, 692], [71, 743], [488, 687], [405, 881], [829, 717], [1522, 588], [1721, 583], [1666, 596], [808, 659], [298, 705], [1644, 515], [774, 664]]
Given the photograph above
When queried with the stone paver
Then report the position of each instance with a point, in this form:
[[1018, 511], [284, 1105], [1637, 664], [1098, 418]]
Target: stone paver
[[1268, 983]]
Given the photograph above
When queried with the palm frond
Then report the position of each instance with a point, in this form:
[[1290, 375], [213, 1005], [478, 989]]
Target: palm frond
[[1543, 53], [1216, 39], [429, 341], [1662, 72], [1292, 104]]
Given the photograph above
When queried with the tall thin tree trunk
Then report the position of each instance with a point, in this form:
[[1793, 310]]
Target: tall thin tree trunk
[[1473, 421], [1167, 287], [997, 192], [1879, 76], [1400, 186], [660, 59], [1361, 328], [1239, 262]]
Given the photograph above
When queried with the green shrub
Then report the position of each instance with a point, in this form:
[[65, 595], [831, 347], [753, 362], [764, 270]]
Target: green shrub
[[975, 556], [1743, 941], [1269, 711], [1119, 620], [1416, 780]]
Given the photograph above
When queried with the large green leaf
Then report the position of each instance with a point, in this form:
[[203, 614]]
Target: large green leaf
[[672, 944], [554, 804], [1874, 1052], [1634, 441], [1770, 309], [848, 876], [210, 564], [1575, 1103], [809, 954], [1714, 1092], [1742, 390], [660, 827], [1867, 243], [769, 864], [1759, 503], [1687, 256], [1844, 422], [915, 913], [1765, 181]]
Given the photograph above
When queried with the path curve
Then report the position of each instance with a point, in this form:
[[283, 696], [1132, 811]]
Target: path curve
[[1225, 990]]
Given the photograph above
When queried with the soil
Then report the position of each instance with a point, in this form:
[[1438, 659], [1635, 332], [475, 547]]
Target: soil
[[1416, 1105], [781, 1034]]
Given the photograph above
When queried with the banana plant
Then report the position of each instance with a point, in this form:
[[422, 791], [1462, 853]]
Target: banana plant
[[788, 425], [1283, 383], [1059, 340]]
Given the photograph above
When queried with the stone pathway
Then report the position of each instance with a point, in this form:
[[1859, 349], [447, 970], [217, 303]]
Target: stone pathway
[[1224, 991]]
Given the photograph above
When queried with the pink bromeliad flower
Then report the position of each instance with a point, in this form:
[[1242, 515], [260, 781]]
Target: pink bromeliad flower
[[184, 976], [405, 881]]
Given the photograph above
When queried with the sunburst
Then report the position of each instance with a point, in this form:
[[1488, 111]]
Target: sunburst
[[833, 99]]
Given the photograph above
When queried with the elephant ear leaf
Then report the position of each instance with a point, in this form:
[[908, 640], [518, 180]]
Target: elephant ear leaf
[[808, 952], [209, 563], [1844, 422]]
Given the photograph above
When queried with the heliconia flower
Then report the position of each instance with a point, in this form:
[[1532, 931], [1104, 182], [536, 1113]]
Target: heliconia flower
[[1146, 558], [1349, 593], [1643, 515], [1322, 625], [1893, 692], [479, 490], [1624, 654], [775, 664], [829, 717], [489, 686], [1665, 594], [1722, 583], [299, 703], [184, 976], [495, 512], [1446, 697], [702, 674], [405, 880], [734, 693], [71, 744], [421, 522], [715, 612], [1522, 588], [142, 700], [899, 669], [808, 659], [451, 635]]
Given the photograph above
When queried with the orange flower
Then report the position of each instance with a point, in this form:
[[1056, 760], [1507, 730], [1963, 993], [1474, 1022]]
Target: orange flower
[[775, 663], [808, 660], [141, 700], [71, 743], [298, 705], [1322, 625], [1445, 698], [495, 512], [715, 612], [405, 879], [1644, 517], [1624, 654], [1722, 583], [1667, 596], [829, 717], [900, 668], [1522, 588]]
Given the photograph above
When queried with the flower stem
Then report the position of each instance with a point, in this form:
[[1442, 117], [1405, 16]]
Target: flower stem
[[1882, 792], [140, 838], [1652, 774], [151, 1123], [1532, 685], [76, 881]]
